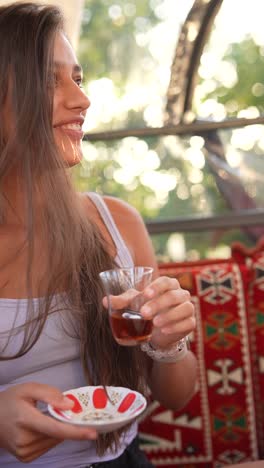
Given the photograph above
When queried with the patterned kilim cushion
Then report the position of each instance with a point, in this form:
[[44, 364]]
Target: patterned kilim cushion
[[217, 427], [254, 259]]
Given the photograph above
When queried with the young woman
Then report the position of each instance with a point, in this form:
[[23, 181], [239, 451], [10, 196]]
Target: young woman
[[54, 332]]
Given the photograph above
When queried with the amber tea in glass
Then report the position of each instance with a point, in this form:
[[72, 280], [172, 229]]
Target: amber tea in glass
[[128, 326]]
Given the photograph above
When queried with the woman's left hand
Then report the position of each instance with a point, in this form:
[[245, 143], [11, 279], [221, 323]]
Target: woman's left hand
[[171, 309]]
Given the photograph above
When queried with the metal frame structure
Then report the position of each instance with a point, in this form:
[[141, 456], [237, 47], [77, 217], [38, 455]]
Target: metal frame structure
[[178, 119]]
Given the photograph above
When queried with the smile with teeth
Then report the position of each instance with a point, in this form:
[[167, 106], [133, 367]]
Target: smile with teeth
[[73, 130], [72, 126]]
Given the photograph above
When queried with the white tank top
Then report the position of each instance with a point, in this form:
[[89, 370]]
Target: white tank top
[[55, 360]]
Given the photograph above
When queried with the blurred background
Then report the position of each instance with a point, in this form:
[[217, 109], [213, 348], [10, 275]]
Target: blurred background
[[175, 125]]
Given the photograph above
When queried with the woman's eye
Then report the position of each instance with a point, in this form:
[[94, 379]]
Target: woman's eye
[[79, 82]]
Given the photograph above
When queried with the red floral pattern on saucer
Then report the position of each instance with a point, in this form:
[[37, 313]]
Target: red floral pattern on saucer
[[104, 409]]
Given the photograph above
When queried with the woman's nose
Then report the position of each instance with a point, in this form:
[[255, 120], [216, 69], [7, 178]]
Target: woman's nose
[[85, 100], [76, 98]]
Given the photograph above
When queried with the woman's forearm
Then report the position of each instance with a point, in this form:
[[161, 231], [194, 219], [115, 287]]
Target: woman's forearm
[[173, 384]]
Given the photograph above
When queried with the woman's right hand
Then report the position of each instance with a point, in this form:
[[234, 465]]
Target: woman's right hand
[[25, 431]]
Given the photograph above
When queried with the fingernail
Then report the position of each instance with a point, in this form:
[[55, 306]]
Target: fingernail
[[146, 311], [158, 321], [68, 401], [149, 292]]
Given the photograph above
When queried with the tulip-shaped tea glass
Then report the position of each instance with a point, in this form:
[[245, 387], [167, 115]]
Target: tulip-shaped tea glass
[[128, 326]]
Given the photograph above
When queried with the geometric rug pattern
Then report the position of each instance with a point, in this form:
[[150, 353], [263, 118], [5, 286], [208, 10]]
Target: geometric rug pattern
[[254, 259], [218, 426]]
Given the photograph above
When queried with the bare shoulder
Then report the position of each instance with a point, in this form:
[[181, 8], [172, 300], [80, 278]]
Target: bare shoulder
[[130, 225], [133, 230], [128, 220], [122, 211]]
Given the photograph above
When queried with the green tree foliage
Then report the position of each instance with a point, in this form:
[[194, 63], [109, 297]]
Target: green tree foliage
[[107, 45], [108, 48], [248, 59]]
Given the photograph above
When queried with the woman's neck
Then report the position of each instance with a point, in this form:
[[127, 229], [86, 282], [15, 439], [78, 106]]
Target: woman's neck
[[15, 209]]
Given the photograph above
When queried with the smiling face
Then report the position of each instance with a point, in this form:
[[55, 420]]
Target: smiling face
[[70, 102]]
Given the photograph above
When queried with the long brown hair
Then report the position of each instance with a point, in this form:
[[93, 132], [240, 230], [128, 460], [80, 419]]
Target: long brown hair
[[75, 248]]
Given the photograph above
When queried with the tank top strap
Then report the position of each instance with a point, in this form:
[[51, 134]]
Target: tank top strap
[[123, 257]]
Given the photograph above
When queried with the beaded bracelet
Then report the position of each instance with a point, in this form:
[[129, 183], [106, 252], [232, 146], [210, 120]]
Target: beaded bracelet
[[177, 352]]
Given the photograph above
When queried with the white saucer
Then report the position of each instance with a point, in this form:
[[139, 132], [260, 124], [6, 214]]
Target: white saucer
[[104, 410]]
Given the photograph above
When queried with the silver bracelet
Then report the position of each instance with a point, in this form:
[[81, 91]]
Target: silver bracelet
[[177, 352]]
